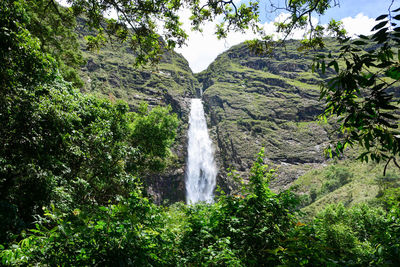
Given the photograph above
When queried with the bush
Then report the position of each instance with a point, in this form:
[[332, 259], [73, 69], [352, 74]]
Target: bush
[[335, 177], [241, 230]]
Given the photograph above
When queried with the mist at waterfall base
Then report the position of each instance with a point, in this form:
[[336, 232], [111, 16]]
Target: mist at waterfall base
[[201, 170]]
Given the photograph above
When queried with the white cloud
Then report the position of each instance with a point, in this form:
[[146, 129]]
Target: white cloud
[[360, 24], [203, 47]]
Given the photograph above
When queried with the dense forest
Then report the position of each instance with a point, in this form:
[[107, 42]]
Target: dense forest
[[79, 153]]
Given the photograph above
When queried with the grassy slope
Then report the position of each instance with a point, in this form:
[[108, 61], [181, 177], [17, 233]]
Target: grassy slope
[[364, 184]]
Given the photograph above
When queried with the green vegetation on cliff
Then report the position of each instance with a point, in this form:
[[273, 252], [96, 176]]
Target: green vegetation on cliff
[[270, 101]]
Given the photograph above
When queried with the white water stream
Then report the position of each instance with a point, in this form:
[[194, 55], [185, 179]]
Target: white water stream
[[201, 170]]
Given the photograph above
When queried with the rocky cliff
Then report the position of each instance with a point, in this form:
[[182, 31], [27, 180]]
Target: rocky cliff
[[265, 101], [110, 72]]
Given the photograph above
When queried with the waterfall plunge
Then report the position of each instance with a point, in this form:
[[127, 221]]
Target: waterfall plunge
[[201, 170]]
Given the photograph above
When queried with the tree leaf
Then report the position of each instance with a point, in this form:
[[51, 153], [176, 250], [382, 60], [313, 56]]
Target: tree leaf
[[393, 73], [381, 17], [398, 54], [336, 66], [359, 42], [379, 26]]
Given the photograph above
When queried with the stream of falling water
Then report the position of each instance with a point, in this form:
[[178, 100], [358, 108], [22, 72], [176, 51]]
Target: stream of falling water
[[201, 170]]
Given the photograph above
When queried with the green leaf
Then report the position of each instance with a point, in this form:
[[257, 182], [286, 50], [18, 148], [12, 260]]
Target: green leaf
[[336, 66], [359, 42], [379, 26], [381, 17], [398, 54], [102, 208], [393, 73]]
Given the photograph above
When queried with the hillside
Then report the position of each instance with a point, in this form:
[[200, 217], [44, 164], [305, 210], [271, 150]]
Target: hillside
[[251, 101], [110, 72], [272, 101], [269, 101]]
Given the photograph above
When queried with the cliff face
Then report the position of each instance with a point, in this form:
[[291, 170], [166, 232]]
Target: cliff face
[[110, 72], [265, 101]]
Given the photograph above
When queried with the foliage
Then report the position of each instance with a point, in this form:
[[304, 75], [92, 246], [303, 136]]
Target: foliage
[[55, 27], [335, 178], [331, 178], [59, 146], [240, 229], [152, 134], [136, 24], [388, 250], [150, 27], [257, 229], [339, 236], [38, 28], [362, 95], [22, 62], [128, 233], [24, 68], [76, 148], [363, 183]]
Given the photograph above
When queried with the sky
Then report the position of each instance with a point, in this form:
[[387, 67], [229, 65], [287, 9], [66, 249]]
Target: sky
[[358, 17]]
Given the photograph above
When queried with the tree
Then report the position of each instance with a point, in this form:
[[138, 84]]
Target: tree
[[364, 94], [54, 26], [59, 146]]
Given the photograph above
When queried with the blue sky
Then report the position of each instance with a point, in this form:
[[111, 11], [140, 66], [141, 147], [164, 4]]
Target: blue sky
[[346, 8], [370, 8]]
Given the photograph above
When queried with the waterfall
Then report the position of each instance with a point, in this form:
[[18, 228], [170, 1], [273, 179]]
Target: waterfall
[[201, 170]]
